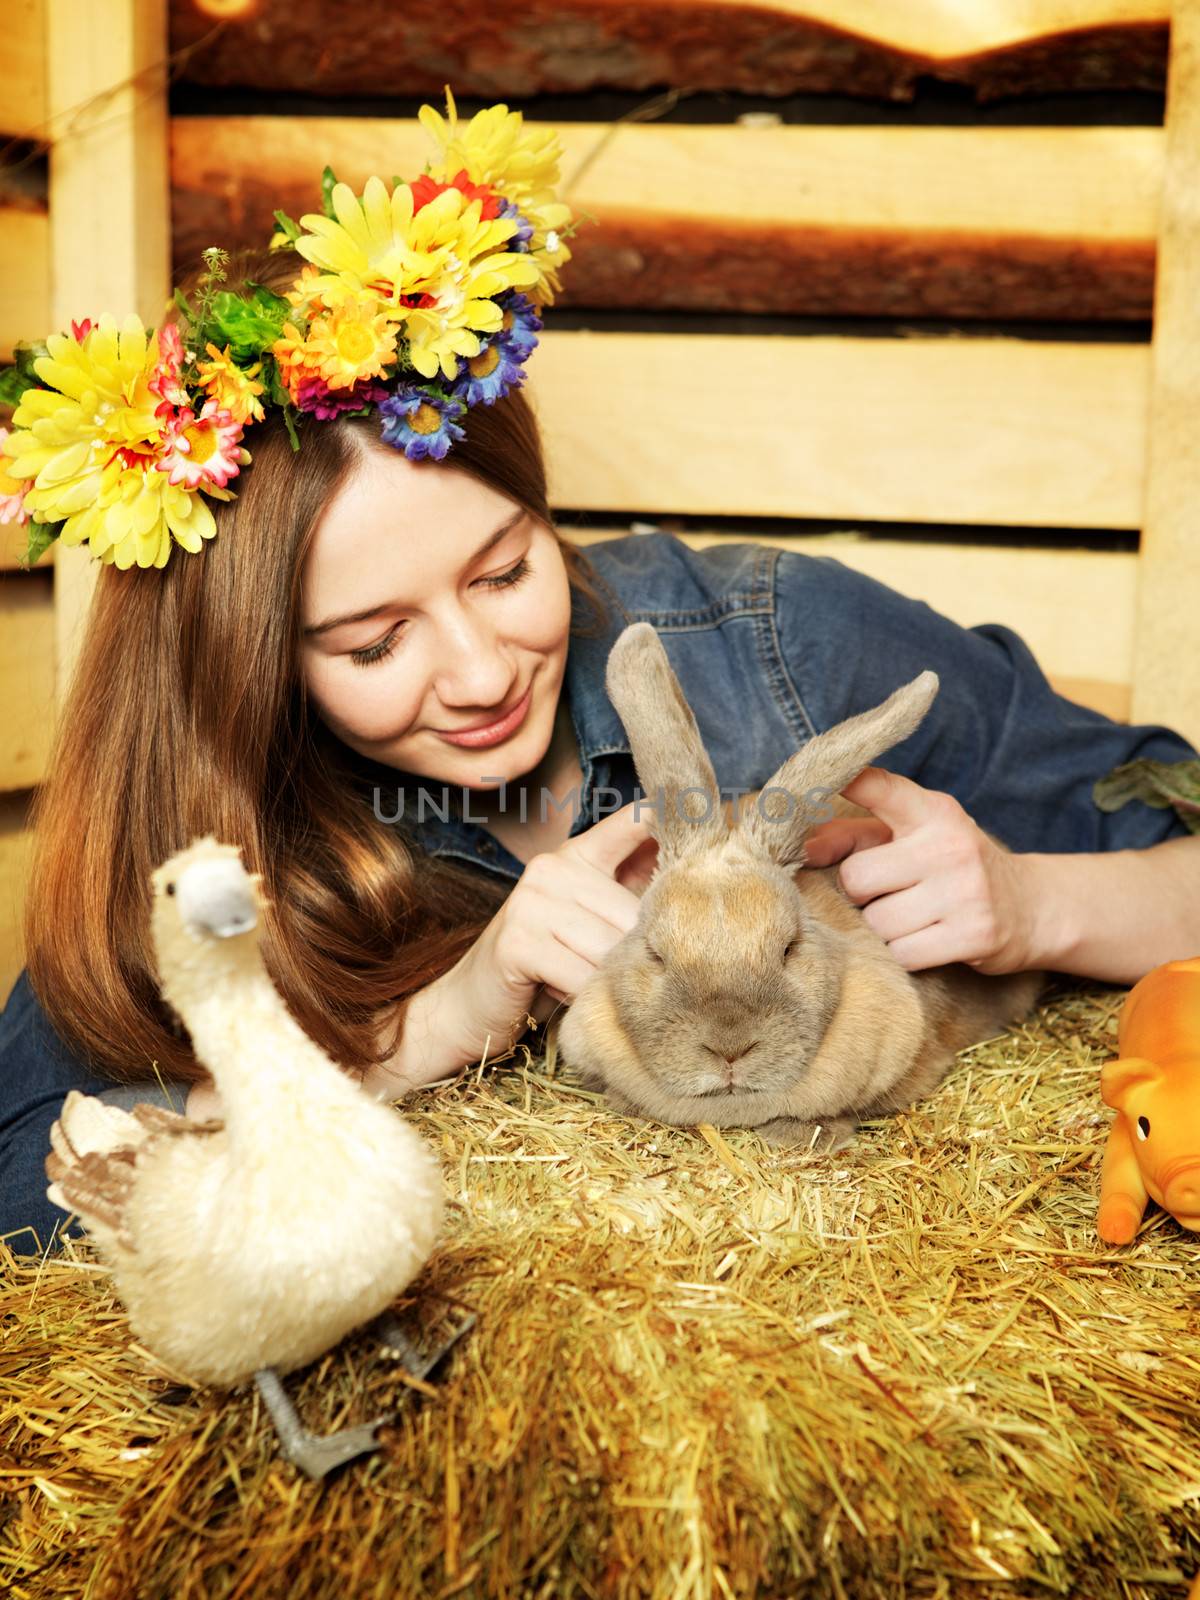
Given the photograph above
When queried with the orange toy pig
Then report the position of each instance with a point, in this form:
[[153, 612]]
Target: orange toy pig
[[1153, 1151]]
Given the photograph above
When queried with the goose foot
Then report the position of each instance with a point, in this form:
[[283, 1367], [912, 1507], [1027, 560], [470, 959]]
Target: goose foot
[[396, 1343], [314, 1455]]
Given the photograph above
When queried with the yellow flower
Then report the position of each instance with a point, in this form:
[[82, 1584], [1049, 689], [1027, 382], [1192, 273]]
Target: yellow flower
[[378, 246], [291, 354], [63, 436], [91, 442], [137, 512], [497, 149], [231, 386], [352, 343]]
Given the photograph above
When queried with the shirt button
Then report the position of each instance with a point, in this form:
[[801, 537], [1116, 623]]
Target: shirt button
[[487, 848]]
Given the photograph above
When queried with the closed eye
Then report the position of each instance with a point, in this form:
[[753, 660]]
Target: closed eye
[[384, 647]]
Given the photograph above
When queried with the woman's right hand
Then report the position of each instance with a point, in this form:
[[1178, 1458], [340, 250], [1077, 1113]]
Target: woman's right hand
[[568, 909]]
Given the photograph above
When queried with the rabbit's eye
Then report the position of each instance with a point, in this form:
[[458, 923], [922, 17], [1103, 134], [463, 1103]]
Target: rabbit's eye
[[792, 946], [654, 956], [1143, 1127]]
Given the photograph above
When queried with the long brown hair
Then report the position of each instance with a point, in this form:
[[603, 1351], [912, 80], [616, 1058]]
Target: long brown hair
[[187, 715]]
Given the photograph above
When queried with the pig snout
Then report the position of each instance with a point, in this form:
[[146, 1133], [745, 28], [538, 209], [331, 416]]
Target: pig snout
[[1180, 1180]]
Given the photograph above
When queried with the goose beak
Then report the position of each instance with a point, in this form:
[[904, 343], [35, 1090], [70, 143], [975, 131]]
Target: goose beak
[[217, 898]]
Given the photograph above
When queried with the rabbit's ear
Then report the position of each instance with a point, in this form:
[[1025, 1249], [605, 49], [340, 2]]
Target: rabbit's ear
[[829, 762], [682, 804]]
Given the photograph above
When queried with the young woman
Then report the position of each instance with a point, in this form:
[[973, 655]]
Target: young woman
[[310, 686]]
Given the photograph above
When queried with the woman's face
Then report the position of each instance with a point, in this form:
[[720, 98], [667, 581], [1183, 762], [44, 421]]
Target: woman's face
[[469, 609]]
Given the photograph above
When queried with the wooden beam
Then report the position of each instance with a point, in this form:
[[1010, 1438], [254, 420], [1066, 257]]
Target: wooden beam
[[1166, 683], [523, 48], [997, 432], [26, 676], [858, 221], [23, 81], [108, 182], [1085, 647], [25, 273]]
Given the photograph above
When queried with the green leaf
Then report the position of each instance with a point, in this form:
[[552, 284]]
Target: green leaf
[[13, 384], [327, 185], [181, 300], [288, 413], [248, 324], [273, 385], [25, 355], [292, 229], [1156, 783], [41, 536]]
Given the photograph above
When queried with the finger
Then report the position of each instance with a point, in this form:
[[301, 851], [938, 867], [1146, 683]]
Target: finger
[[636, 871], [607, 843], [584, 933], [895, 916], [565, 972], [897, 800], [584, 887], [834, 841], [546, 1002], [883, 869], [935, 946]]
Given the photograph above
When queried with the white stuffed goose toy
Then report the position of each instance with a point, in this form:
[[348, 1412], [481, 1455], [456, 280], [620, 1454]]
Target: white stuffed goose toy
[[248, 1246]]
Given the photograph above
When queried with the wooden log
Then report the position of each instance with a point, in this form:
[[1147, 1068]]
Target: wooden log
[[518, 48], [862, 221], [999, 432], [1085, 648]]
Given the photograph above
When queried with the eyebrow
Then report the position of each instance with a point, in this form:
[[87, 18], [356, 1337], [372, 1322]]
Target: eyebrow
[[374, 611]]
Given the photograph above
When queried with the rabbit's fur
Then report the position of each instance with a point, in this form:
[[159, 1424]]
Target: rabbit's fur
[[834, 1031]]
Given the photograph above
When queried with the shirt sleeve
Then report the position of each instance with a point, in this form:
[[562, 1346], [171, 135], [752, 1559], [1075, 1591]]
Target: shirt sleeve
[[36, 1072], [1019, 757]]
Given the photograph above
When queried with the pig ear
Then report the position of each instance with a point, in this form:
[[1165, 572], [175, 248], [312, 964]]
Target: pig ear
[[1119, 1077]]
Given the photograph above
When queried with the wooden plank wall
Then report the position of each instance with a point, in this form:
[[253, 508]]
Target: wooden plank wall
[[864, 280], [92, 85], [930, 329]]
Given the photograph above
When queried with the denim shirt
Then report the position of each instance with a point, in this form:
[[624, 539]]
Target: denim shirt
[[770, 648]]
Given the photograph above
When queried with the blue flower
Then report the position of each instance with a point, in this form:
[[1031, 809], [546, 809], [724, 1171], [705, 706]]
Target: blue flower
[[520, 239], [490, 374], [521, 321], [421, 421]]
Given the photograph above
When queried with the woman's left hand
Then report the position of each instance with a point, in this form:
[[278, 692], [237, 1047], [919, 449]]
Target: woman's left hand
[[931, 882]]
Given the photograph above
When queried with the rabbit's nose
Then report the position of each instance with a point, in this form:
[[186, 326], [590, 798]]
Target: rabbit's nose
[[730, 1059]]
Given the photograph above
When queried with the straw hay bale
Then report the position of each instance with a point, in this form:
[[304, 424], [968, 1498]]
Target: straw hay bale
[[701, 1367]]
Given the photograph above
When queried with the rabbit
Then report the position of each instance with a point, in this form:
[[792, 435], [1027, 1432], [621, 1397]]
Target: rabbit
[[751, 992]]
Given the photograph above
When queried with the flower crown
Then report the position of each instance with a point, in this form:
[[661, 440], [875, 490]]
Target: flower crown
[[415, 302]]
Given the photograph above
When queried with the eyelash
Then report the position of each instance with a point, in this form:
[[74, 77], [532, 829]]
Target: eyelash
[[379, 652]]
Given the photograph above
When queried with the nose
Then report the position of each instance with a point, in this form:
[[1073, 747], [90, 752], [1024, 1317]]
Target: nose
[[731, 1056], [1180, 1181], [475, 672]]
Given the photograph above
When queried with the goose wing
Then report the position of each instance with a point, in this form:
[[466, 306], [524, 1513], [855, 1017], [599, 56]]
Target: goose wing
[[95, 1147]]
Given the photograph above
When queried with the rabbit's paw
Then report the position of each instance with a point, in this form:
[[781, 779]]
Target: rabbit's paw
[[789, 1133]]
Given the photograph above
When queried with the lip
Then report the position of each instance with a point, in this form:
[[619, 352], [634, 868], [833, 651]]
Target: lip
[[492, 732]]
